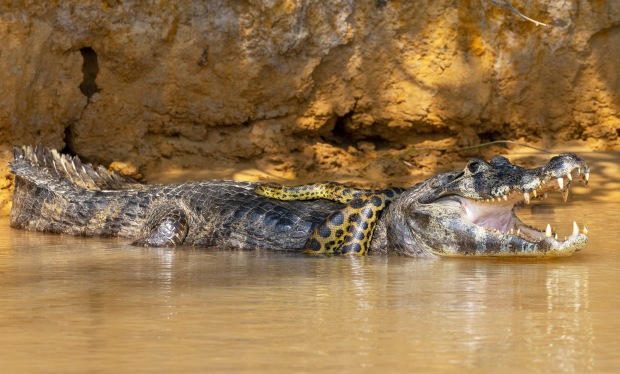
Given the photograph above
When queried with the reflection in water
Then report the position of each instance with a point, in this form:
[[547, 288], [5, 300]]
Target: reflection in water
[[85, 304], [567, 294]]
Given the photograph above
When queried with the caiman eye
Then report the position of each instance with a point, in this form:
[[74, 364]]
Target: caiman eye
[[474, 166]]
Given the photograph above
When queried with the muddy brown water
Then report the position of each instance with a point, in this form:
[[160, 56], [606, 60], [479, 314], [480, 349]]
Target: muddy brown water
[[100, 305]]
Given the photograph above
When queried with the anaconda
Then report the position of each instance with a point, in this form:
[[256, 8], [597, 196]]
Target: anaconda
[[348, 230], [470, 212]]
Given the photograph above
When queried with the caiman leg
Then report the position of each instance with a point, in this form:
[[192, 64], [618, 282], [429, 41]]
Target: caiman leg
[[166, 227], [346, 231]]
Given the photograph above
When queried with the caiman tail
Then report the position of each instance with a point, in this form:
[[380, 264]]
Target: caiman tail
[[61, 173], [58, 193]]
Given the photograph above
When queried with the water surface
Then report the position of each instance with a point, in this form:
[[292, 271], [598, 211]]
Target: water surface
[[100, 305]]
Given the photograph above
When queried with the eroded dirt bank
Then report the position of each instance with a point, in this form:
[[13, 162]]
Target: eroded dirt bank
[[304, 90]]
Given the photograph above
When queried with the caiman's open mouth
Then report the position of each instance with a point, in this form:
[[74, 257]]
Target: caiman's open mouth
[[494, 217]]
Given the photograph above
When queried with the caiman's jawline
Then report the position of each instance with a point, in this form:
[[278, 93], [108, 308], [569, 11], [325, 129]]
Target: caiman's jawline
[[495, 217]]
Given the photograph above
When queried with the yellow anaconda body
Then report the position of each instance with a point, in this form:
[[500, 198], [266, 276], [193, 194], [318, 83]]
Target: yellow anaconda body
[[346, 231]]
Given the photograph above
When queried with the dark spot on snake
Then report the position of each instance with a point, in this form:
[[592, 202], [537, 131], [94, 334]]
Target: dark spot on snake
[[314, 245], [355, 218], [359, 235], [368, 212], [325, 232], [356, 203], [354, 247], [376, 200], [337, 218]]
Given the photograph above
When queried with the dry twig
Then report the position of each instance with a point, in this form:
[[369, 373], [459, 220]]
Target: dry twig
[[506, 5], [411, 150]]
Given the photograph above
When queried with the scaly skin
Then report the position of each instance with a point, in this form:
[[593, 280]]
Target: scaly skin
[[442, 216], [346, 231]]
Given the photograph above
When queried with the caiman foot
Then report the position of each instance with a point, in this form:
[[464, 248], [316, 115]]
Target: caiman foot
[[166, 228]]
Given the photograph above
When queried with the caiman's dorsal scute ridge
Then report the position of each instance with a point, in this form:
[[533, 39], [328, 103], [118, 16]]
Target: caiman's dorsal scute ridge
[[43, 166]]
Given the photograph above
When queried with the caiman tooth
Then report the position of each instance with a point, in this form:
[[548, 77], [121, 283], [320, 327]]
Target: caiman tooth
[[535, 193], [569, 176], [585, 230], [565, 194], [561, 183], [518, 232], [526, 196], [548, 231], [586, 176], [505, 197], [575, 229]]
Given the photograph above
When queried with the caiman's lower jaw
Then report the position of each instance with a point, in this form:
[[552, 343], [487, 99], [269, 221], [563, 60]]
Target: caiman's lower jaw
[[494, 220]]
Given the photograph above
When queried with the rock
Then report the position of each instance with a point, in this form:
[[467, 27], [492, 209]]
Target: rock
[[125, 169], [195, 81]]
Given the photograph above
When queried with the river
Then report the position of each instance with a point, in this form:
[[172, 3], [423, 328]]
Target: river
[[76, 305]]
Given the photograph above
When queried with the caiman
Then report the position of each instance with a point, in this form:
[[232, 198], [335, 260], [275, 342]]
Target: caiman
[[470, 212]]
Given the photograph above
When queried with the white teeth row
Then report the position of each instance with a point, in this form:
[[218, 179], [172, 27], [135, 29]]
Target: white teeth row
[[527, 196], [492, 199], [549, 233], [569, 176], [586, 177]]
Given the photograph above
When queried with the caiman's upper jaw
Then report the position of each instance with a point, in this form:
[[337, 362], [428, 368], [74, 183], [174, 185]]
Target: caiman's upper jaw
[[499, 232]]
